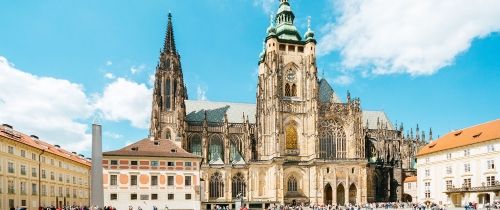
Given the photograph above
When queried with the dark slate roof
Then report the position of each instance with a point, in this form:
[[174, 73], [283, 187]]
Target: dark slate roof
[[195, 111], [326, 92], [147, 148], [372, 116]]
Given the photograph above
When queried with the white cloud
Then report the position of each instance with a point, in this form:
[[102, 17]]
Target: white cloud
[[266, 5], [201, 93], [343, 80], [109, 63], [112, 135], [126, 100], [44, 106], [414, 37], [137, 69], [109, 75]]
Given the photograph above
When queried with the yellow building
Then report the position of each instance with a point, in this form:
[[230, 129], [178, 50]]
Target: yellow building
[[33, 172]]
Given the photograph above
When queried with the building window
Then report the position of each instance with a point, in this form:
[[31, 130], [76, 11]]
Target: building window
[[23, 170], [467, 182], [333, 144], [216, 149], [113, 196], [187, 180], [448, 170], [167, 94], [10, 167], [427, 190], [154, 196], [448, 156], [154, 163], [282, 47], [195, 144], [491, 164], [491, 148], [490, 180], [44, 174], [33, 156], [409, 185], [10, 149], [466, 152], [52, 177], [133, 162], [133, 196], [238, 185], [154, 180], [33, 189], [294, 90], [187, 164], [133, 181], [187, 196], [113, 180], [170, 180], [23, 153], [287, 90], [10, 187], [449, 184], [427, 172], [170, 164], [216, 187], [114, 162], [291, 137], [22, 185], [292, 184], [170, 196], [467, 167]]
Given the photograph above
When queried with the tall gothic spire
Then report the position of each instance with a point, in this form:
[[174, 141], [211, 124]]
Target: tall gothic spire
[[169, 46]]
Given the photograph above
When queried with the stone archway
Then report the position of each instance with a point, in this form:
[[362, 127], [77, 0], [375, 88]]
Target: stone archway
[[328, 194], [352, 194], [340, 195]]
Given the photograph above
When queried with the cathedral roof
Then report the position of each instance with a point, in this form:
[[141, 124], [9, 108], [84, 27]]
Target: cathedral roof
[[373, 116], [326, 92], [464, 137], [195, 111], [152, 148]]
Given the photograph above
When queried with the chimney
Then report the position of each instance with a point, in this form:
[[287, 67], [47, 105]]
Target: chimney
[[97, 193]]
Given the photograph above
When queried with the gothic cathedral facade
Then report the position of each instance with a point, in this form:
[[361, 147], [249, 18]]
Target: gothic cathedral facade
[[298, 144]]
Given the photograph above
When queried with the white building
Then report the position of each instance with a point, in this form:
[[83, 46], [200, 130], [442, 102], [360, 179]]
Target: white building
[[410, 188], [459, 167], [151, 173]]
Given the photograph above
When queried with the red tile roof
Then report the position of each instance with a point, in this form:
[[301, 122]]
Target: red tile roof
[[410, 179], [152, 148], [41, 145], [467, 136]]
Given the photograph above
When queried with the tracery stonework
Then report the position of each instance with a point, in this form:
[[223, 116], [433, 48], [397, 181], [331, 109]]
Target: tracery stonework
[[298, 144]]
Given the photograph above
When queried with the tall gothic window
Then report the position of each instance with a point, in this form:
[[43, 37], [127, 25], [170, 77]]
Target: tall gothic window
[[174, 93], [168, 134], [167, 94], [287, 90], [194, 143], [292, 184], [216, 148], [327, 146], [238, 185], [216, 186], [291, 137], [236, 148], [294, 90], [332, 141]]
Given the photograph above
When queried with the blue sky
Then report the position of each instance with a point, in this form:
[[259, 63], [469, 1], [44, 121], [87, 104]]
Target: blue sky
[[66, 62]]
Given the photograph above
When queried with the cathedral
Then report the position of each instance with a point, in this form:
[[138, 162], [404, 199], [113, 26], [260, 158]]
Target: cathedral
[[299, 143]]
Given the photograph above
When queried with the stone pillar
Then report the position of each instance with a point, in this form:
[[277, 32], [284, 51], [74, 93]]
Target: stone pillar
[[347, 189], [96, 190], [334, 187]]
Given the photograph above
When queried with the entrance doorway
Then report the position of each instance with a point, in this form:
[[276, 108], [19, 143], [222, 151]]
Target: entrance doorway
[[484, 198], [340, 195], [352, 194], [328, 194]]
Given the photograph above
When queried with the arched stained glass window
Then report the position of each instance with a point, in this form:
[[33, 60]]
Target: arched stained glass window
[[287, 89], [292, 184], [195, 144], [167, 94], [238, 185], [216, 149], [216, 186], [294, 90], [291, 137]]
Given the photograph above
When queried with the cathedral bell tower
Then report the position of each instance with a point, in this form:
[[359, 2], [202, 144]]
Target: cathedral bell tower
[[287, 90], [169, 93]]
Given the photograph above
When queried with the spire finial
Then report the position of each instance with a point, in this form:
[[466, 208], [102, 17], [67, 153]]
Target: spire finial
[[169, 45]]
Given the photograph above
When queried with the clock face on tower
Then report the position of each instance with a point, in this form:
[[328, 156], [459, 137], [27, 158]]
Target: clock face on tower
[[290, 75]]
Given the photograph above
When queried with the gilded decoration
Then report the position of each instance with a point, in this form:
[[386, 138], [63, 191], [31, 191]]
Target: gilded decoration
[[291, 137]]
